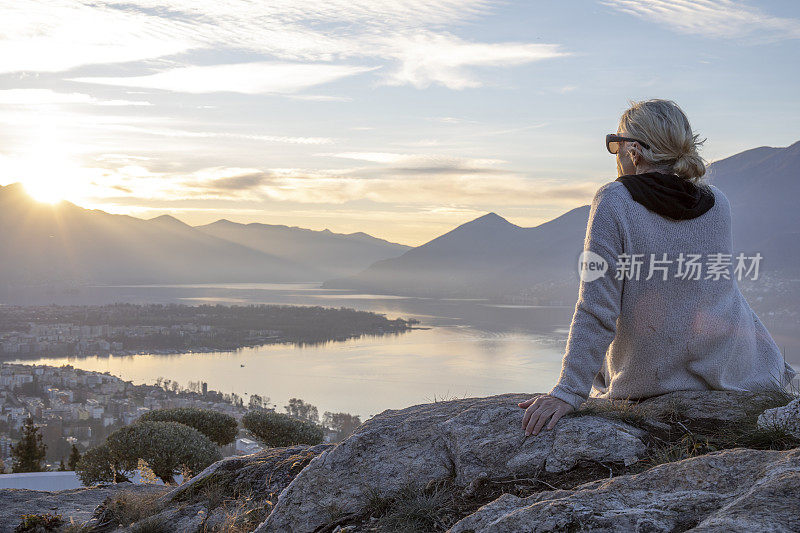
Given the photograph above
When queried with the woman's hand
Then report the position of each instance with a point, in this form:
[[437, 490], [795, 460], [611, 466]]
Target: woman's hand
[[539, 409]]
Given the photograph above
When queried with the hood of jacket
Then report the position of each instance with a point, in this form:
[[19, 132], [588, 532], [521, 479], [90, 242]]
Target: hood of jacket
[[669, 195]]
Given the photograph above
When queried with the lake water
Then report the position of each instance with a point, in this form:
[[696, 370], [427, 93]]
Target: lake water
[[468, 347]]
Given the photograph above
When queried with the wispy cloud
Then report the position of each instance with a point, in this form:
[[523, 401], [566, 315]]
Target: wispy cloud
[[246, 78], [438, 58], [36, 97], [411, 39], [462, 183], [56, 35], [309, 187], [173, 132], [712, 18], [422, 163]]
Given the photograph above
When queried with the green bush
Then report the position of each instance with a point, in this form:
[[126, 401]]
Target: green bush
[[218, 427], [277, 429], [39, 523], [96, 466], [167, 447]]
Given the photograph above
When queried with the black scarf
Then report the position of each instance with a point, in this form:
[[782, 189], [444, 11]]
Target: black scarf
[[669, 195]]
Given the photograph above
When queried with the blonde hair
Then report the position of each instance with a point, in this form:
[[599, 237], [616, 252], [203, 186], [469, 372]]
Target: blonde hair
[[663, 125]]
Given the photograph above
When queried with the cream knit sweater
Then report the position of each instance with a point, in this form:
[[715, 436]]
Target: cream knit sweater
[[636, 338]]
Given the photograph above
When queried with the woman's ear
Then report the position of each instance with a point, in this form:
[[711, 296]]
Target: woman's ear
[[633, 152]]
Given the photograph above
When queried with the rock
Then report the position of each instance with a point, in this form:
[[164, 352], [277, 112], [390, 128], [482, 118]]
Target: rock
[[185, 519], [234, 493], [696, 405], [265, 474], [786, 418], [731, 490], [457, 439], [78, 504]]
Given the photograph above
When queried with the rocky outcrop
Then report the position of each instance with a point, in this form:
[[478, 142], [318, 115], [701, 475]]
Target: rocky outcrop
[[599, 469], [733, 490], [75, 504], [786, 417], [467, 439], [236, 493], [456, 439]]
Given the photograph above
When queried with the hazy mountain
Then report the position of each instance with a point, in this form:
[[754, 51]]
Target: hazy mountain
[[486, 256], [490, 256], [763, 186], [337, 254], [45, 243]]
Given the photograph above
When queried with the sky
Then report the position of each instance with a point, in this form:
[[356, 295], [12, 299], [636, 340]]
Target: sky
[[402, 119]]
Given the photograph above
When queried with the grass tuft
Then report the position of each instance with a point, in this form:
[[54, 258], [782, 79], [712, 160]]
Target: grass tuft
[[129, 507], [416, 508], [152, 524]]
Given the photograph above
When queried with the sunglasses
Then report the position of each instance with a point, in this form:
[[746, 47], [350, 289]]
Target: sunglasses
[[613, 140]]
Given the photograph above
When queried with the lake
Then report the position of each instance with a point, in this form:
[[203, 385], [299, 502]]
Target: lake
[[464, 347]]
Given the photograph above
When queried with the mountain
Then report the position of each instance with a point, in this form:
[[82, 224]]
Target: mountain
[[763, 186], [483, 257], [336, 253], [490, 256], [45, 243]]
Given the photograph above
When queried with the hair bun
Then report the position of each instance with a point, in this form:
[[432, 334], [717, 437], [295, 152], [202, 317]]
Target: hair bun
[[689, 165]]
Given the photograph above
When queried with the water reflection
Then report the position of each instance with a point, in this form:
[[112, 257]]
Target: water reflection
[[468, 349]]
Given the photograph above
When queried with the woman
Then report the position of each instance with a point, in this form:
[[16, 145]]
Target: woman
[[673, 322]]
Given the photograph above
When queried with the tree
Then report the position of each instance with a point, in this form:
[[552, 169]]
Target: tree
[[74, 457], [277, 429], [61, 466], [97, 466], [342, 423], [300, 410], [168, 447], [218, 427], [257, 402], [30, 451]]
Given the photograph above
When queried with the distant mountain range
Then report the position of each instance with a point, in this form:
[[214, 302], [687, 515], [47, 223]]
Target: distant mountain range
[[43, 243], [490, 257], [486, 257]]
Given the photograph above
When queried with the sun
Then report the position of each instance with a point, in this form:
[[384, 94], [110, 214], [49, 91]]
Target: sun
[[48, 172], [50, 185]]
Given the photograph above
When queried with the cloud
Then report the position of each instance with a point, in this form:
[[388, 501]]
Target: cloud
[[427, 58], [242, 182], [172, 132], [712, 18], [246, 78], [309, 41], [469, 186], [35, 97], [56, 35], [319, 97], [419, 164]]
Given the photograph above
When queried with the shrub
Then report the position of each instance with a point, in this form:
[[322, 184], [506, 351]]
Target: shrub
[[96, 466], [218, 427], [277, 429], [39, 523], [168, 447]]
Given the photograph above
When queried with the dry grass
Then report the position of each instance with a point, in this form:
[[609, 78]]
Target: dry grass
[[129, 507], [625, 411], [154, 524]]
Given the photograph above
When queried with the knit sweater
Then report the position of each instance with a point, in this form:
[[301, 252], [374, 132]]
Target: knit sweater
[[634, 338]]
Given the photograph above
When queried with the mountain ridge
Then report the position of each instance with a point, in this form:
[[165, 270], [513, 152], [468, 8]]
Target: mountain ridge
[[488, 258]]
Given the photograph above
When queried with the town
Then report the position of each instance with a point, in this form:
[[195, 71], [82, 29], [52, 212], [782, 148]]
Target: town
[[77, 407]]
